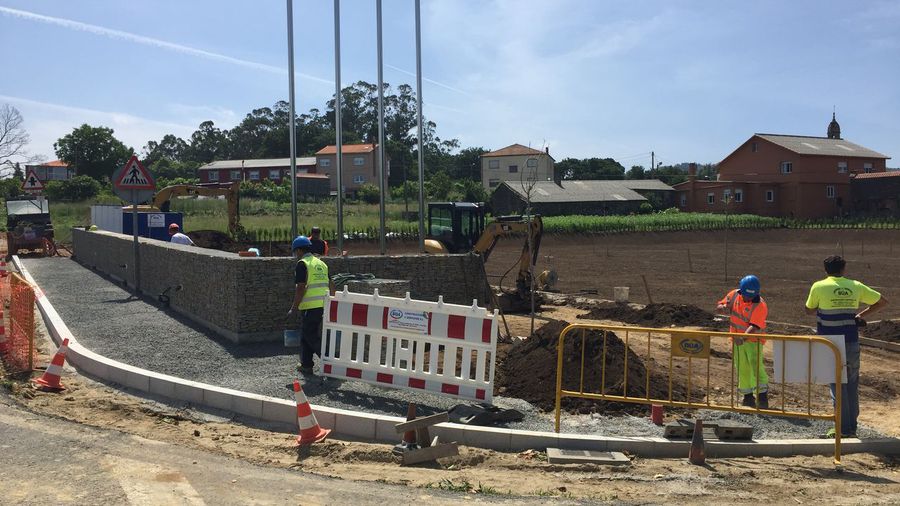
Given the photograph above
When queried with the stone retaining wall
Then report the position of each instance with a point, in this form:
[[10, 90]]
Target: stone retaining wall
[[246, 299]]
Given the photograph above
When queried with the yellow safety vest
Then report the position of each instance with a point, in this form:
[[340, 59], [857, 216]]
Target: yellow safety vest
[[316, 283]]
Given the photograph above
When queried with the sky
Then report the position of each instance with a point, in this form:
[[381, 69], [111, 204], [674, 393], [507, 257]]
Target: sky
[[687, 80]]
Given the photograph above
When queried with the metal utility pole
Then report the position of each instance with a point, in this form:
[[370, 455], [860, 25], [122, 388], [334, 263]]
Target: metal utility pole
[[291, 125], [380, 159], [652, 163], [338, 134], [421, 129]]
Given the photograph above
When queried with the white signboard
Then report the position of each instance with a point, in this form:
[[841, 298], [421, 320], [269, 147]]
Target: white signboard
[[408, 321], [156, 220], [792, 359]]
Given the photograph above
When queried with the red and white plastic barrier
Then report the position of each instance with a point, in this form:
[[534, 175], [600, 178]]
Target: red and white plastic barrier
[[410, 344]]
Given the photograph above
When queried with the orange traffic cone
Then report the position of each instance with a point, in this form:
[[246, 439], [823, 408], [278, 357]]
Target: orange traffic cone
[[310, 431], [50, 379], [409, 437]]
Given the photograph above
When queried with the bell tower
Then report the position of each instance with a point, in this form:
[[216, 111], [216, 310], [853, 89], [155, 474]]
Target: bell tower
[[834, 130]]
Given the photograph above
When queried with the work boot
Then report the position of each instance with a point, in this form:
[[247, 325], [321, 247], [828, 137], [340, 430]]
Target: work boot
[[749, 401], [762, 400]]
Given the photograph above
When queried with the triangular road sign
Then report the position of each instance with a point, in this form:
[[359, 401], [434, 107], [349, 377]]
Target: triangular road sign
[[135, 177], [32, 183]]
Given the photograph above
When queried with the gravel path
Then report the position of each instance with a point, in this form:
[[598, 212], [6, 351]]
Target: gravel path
[[104, 317]]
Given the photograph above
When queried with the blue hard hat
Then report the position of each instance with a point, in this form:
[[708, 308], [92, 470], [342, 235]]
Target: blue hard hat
[[749, 286], [301, 242]]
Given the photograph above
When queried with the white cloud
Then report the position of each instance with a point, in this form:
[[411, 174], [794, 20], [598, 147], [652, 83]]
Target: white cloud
[[149, 41], [46, 122]]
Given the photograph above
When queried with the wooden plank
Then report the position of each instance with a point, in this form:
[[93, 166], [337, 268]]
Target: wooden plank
[[430, 453], [425, 421]]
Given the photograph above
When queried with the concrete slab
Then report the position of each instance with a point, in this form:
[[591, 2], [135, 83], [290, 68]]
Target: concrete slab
[[562, 456], [277, 410], [532, 440]]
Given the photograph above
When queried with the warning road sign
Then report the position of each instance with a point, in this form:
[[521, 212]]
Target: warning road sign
[[32, 183], [134, 177]]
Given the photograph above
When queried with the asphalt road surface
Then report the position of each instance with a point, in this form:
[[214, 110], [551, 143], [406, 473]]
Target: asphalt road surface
[[51, 461]]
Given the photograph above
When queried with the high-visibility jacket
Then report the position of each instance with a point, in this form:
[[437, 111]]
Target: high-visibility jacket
[[743, 314], [316, 283], [836, 300]]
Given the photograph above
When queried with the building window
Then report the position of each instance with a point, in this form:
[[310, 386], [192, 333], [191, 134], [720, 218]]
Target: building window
[[494, 164], [236, 175], [754, 147], [359, 179], [726, 195], [867, 168], [253, 175], [493, 183], [513, 169], [842, 167], [358, 160], [274, 174], [829, 191], [787, 167], [683, 200], [770, 195], [324, 162], [213, 175], [710, 198], [532, 162], [739, 196]]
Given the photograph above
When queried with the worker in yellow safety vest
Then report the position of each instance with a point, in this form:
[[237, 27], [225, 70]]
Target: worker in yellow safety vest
[[312, 285], [748, 312]]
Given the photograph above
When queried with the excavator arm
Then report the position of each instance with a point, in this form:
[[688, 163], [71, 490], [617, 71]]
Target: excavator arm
[[506, 226], [231, 192]]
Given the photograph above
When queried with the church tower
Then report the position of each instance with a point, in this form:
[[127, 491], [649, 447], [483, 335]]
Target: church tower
[[834, 130]]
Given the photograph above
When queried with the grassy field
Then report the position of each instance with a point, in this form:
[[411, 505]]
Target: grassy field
[[270, 221]]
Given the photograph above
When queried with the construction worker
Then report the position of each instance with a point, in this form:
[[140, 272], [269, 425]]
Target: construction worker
[[177, 237], [748, 312], [311, 290], [835, 302], [319, 246]]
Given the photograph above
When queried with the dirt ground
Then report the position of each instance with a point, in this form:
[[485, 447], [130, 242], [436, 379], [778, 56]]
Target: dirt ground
[[786, 261], [865, 479]]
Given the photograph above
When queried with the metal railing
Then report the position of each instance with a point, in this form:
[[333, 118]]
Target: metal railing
[[687, 347]]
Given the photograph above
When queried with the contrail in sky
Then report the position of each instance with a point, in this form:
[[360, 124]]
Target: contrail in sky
[[432, 81], [149, 41]]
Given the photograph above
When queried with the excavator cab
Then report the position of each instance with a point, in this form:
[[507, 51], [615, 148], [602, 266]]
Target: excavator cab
[[454, 227]]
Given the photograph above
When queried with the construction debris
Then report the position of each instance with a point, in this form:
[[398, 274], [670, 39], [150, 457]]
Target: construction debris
[[428, 449], [483, 414], [558, 456]]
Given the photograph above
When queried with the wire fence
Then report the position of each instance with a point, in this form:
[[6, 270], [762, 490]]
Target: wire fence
[[18, 323]]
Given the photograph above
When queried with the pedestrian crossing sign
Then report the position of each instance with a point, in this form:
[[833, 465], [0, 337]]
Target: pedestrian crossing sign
[[32, 183], [135, 177]]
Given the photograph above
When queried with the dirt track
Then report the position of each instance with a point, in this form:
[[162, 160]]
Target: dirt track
[[787, 262]]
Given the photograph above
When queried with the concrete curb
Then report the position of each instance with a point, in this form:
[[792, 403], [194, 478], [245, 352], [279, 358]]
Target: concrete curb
[[380, 428]]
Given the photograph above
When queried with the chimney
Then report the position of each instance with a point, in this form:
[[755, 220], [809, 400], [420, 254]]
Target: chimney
[[692, 171], [547, 150]]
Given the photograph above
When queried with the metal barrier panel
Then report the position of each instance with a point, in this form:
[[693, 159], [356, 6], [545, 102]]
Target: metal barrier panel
[[687, 359], [446, 349], [19, 345]]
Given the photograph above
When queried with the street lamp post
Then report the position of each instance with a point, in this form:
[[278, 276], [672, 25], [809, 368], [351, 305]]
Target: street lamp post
[[291, 124]]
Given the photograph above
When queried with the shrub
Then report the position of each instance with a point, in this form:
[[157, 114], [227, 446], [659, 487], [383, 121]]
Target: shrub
[[75, 189], [369, 194]]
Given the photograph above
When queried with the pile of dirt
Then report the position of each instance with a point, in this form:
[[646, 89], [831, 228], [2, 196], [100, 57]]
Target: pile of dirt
[[657, 315], [885, 330], [528, 371], [213, 239]]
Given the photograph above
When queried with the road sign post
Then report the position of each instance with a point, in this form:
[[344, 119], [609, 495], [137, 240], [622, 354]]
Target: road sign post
[[133, 183]]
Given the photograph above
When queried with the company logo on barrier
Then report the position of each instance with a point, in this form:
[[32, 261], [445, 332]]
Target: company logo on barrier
[[692, 346], [396, 314]]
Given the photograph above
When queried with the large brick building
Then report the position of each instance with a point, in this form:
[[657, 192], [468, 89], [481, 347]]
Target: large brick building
[[783, 175], [273, 169]]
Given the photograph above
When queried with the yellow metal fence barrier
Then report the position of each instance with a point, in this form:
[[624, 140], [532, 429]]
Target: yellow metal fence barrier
[[685, 348]]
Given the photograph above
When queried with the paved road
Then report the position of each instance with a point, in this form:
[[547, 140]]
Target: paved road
[[51, 461]]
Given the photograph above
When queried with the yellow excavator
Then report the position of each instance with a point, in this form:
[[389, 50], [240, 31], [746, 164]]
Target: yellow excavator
[[231, 192], [458, 227]]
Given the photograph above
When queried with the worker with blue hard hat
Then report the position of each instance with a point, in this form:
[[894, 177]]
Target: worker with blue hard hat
[[748, 311], [312, 286]]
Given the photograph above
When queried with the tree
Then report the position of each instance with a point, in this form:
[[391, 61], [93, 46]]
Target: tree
[[170, 148], [369, 193], [13, 137], [92, 151], [439, 186], [635, 172], [18, 173], [590, 168], [209, 143]]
